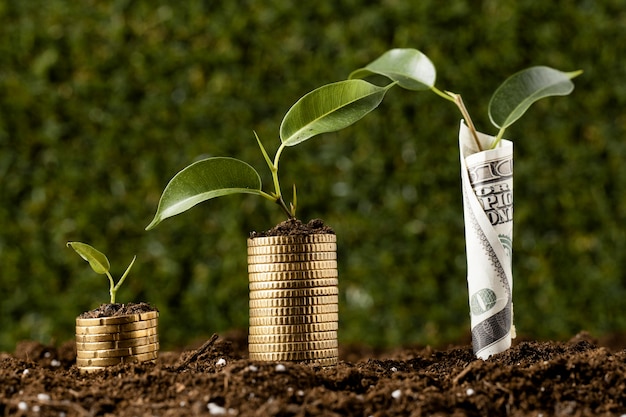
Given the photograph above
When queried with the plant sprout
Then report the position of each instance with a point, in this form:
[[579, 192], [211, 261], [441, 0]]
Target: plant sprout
[[412, 70], [326, 109], [100, 264]]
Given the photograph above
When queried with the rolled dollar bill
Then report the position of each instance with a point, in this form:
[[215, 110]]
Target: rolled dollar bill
[[487, 185]]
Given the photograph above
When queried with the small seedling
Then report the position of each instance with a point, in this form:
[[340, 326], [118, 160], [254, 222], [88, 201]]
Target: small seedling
[[100, 264], [326, 109], [412, 70]]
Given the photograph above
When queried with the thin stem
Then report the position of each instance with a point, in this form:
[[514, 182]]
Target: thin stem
[[440, 93], [112, 290], [277, 196], [498, 138], [459, 103]]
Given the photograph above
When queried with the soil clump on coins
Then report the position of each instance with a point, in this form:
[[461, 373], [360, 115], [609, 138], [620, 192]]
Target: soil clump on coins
[[117, 309], [293, 227]]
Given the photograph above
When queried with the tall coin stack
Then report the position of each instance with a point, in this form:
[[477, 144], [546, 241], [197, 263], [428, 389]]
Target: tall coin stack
[[107, 341], [294, 298]]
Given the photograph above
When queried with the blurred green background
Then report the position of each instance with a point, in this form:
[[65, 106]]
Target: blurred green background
[[102, 102]]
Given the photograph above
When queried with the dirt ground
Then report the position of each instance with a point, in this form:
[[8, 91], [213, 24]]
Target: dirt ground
[[580, 377]]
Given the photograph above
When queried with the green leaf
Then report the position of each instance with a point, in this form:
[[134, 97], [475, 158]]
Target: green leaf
[[518, 92], [329, 108], [410, 68], [204, 180], [97, 260]]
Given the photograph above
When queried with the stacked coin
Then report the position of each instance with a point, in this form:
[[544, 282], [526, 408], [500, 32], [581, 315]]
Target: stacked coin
[[294, 301], [107, 341]]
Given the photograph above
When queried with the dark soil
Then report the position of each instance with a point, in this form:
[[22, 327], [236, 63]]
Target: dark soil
[[296, 227], [575, 378], [114, 310]]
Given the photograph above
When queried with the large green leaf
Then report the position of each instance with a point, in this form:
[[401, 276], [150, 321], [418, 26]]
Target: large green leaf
[[203, 180], [329, 108], [518, 92], [97, 260], [409, 67]]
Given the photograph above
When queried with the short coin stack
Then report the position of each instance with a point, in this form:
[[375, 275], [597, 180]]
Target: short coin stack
[[107, 341], [294, 301]]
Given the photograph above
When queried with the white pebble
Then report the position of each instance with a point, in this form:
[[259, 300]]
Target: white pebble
[[25, 372], [469, 392], [47, 355], [36, 408], [394, 369], [216, 410], [253, 368], [396, 394], [22, 406], [280, 368], [55, 363], [300, 393], [43, 397], [220, 362]]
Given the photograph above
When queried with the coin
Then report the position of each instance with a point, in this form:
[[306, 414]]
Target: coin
[[125, 319], [292, 239], [117, 344], [294, 311], [103, 362], [293, 329], [296, 293], [292, 346], [292, 266], [294, 356], [292, 275], [104, 337], [296, 337], [116, 328], [287, 320], [293, 284], [292, 257], [115, 353], [293, 248], [293, 302]]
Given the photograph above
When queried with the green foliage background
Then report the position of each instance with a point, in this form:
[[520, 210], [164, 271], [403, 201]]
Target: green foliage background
[[102, 102]]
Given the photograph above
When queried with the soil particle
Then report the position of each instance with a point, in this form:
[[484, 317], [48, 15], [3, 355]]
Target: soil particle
[[296, 227], [573, 378], [114, 310]]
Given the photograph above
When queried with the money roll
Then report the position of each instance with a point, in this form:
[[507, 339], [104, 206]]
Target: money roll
[[108, 341], [294, 298], [487, 186]]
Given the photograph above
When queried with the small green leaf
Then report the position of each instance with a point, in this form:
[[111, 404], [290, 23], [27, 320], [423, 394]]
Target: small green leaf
[[204, 180], [97, 260], [410, 68], [329, 108], [518, 92]]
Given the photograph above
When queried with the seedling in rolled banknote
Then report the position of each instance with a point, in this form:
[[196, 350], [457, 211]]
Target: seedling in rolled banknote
[[412, 70], [487, 183], [100, 265]]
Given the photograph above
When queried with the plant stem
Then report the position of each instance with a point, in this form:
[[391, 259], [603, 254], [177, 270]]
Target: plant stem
[[459, 103], [112, 289], [277, 196]]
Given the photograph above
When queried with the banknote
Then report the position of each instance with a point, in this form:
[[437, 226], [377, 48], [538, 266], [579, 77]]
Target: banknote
[[487, 186]]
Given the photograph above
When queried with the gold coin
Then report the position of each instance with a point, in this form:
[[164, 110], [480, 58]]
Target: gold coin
[[287, 338], [293, 284], [293, 302], [103, 362], [296, 293], [294, 356], [287, 320], [105, 337], [117, 328], [117, 344], [292, 275], [293, 329], [292, 347], [115, 353], [128, 318], [292, 266], [292, 239], [295, 248], [294, 311], [292, 257]]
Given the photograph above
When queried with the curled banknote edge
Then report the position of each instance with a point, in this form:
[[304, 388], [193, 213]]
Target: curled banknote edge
[[487, 185]]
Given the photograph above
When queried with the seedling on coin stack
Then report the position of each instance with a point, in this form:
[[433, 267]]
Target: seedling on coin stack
[[114, 333], [487, 183], [292, 273]]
